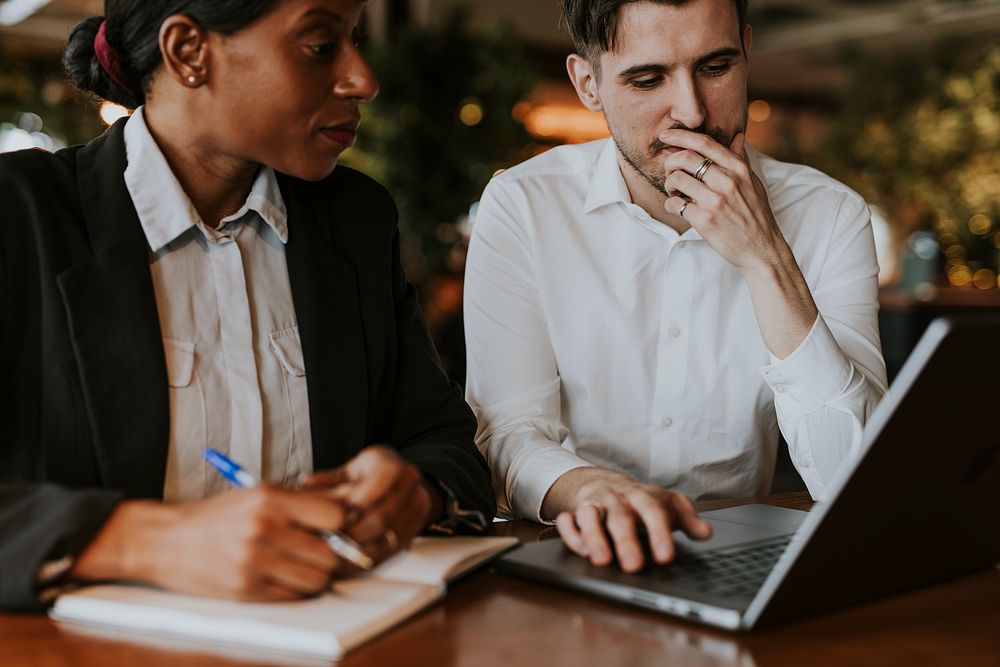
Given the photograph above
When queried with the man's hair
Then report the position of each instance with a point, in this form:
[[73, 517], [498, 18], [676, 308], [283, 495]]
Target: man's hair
[[593, 24]]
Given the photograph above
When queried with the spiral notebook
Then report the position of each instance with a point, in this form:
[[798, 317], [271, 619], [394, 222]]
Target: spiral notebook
[[328, 626]]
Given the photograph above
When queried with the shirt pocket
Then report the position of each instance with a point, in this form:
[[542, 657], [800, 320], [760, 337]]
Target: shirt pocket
[[185, 474], [287, 347], [291, 432]]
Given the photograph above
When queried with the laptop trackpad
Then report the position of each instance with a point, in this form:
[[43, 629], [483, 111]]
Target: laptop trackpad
[[746, 523]]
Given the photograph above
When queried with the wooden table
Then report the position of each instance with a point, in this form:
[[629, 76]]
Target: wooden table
[[493, 619]]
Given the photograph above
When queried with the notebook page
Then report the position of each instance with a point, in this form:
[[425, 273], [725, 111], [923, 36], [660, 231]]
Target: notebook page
[[438, 560]]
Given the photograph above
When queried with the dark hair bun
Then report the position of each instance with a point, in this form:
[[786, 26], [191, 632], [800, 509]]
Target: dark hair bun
[[133, 31], [86, 72]]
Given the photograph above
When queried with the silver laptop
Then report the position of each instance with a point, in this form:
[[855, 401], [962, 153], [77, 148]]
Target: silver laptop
[[920, 505]]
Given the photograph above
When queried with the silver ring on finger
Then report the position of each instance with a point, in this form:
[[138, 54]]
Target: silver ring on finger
[[700, 173], [681, 212]]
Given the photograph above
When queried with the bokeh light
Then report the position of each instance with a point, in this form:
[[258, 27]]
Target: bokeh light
[[471, 113], [959, 275], [980, 224], [984, 279], [111, 112], [759, 111]]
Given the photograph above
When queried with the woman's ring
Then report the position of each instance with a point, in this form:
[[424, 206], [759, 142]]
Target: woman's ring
[[391, 541]]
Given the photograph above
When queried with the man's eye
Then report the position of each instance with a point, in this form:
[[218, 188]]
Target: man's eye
[[644, 84], [324, 49], [715, 70]]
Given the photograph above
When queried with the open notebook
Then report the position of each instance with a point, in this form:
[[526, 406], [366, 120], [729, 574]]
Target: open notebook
[[327, 626]]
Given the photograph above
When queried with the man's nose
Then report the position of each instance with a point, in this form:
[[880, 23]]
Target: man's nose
[[686, 105]]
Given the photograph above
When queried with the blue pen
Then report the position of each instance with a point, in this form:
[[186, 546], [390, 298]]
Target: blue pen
[[341, 544]]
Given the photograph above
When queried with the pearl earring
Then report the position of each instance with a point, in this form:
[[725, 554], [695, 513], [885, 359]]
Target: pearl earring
[[192, 79]]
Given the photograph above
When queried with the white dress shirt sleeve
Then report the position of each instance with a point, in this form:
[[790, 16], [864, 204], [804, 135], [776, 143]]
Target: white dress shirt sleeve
[[513, 383], [826, 389]]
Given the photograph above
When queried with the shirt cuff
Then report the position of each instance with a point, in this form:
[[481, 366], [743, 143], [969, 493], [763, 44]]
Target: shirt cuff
[[811, 375], [536, 476], [457, 520]]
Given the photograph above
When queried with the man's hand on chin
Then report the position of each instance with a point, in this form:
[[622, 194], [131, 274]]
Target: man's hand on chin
[[599, 514], [714, 189]]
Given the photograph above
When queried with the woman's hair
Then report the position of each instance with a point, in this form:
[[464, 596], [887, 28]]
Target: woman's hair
[[133, 33]]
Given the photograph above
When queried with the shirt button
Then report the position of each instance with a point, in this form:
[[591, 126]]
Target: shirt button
[[681, 244], [667, 422], [780, 388], [675, 332]]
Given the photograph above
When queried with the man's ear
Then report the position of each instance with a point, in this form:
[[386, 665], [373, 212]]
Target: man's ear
[[582, 76], [184, 45]]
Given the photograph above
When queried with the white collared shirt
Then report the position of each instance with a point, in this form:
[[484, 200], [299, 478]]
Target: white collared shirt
[[599, 336], [234, 360]]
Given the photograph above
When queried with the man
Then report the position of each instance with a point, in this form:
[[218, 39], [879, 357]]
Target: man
[[643, 313]]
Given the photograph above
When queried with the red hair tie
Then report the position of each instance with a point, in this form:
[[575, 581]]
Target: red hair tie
[[109, 59]]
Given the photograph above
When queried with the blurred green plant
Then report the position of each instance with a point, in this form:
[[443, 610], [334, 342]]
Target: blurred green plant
[[920, 136], [39, 86], [441, 127]]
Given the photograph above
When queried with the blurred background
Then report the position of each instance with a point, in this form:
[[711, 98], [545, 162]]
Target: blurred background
[[899, 99]]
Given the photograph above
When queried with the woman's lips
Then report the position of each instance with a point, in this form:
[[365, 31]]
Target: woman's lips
[[343, 136]]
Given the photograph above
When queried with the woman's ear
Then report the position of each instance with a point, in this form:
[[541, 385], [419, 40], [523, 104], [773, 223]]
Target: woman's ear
[[584, 80], [184, 46]]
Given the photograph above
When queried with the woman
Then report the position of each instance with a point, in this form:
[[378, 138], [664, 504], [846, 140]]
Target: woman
[[201, 276]]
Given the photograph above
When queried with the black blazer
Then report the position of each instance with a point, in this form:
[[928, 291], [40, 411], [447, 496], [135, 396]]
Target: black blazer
[[84, 410]]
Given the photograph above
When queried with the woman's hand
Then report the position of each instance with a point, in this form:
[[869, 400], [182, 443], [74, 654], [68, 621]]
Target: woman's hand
[[390, 501], [248, 544]]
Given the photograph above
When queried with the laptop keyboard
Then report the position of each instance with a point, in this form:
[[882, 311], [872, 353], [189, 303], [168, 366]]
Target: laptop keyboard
[[730, 572]]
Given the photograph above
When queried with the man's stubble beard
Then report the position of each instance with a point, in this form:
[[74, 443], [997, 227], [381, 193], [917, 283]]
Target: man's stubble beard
[[656, 178]]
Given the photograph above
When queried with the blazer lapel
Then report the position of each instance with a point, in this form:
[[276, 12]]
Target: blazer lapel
[[325, 292], [115, 330]]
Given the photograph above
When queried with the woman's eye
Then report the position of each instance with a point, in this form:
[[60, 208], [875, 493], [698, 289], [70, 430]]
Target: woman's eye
[[324, 49]]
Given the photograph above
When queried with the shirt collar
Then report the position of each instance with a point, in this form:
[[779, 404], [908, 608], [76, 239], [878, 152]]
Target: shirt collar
[[164, 209], [607, 184]]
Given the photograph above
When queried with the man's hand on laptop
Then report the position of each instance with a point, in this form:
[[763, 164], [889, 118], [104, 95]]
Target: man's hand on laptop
[[599, 514]]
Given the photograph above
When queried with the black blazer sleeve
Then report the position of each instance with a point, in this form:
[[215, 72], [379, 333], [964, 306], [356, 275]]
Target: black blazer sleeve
[[430, 422], [375, 376], [38, 521]]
